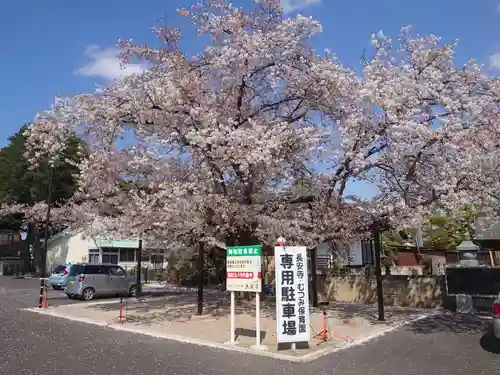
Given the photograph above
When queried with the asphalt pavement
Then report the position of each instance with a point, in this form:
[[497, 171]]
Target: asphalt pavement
[[37, 344]]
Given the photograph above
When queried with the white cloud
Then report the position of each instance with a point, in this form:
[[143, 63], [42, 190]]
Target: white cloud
[[294, 5], [495, 61], [104, 63]]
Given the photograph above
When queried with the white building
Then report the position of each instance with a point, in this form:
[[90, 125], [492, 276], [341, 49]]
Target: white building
[[66, 247]]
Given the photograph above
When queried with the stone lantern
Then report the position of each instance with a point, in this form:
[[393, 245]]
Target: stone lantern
[[467, 253]]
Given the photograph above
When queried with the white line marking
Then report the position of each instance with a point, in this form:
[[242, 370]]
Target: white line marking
[[94, 303], [188, 340]]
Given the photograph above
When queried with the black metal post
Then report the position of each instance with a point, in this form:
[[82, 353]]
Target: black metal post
[[201, 275], [43, 260], [314, 278], [138, 255], [378, 272]]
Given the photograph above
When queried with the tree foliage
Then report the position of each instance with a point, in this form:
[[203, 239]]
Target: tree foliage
[[438, 230], [21, 184]]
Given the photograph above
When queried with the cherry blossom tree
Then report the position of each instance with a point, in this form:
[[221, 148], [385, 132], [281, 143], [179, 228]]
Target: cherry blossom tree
[[221, 138], [239, 115], [431, 120]]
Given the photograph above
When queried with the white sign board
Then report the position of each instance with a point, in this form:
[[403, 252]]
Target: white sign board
[[244, 269], [292, 297], [355, 257]]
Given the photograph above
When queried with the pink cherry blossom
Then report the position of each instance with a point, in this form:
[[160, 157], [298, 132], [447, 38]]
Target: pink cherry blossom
[[221, 138]]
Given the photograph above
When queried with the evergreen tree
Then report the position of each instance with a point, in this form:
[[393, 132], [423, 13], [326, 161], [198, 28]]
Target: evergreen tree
[[23, 185]]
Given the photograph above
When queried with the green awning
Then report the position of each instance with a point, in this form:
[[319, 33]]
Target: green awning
[[126, 244]]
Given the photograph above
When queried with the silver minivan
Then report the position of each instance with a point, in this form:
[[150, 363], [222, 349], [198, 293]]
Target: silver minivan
[[87, 281]]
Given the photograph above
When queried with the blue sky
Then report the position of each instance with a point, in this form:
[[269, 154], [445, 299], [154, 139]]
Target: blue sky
[[55, 48]]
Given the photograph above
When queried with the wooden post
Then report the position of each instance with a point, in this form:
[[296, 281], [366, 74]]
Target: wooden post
[[378, 272], [314, 278]]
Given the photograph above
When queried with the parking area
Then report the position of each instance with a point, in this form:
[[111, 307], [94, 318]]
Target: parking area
[[29, 289], [27, 292], [442, 344]]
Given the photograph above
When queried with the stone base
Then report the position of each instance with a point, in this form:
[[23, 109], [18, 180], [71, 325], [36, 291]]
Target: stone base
[[465, 304]]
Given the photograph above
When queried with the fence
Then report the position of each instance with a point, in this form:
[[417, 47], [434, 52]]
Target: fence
[[10, 267], [148, 274]]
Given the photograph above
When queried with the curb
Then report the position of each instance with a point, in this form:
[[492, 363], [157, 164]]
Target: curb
[[187, 340]]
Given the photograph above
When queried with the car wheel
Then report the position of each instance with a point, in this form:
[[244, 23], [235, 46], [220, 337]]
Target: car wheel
[[132, 292], [55, 287], [88, 294], [71, 296]]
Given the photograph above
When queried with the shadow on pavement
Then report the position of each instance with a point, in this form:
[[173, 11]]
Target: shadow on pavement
[[154, 302], [249, 333], [489, 343], [348, 311], [452, 323]]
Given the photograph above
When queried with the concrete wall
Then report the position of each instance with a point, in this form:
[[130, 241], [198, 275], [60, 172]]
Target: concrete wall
[[405, 289], [424, 292], [67, 248]]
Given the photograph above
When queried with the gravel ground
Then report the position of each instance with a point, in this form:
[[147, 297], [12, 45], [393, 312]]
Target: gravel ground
[[36, 344]]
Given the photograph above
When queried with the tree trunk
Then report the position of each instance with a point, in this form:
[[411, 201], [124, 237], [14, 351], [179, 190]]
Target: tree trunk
[[378, 273], [201, 275]]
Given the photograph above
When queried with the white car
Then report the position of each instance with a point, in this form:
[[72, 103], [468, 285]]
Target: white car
[[496, 317]]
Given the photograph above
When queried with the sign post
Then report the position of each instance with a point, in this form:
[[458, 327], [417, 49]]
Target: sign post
[[244, 274], [292, 300]]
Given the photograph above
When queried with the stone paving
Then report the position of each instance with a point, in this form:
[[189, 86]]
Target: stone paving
[[174, 315], [442, 344]]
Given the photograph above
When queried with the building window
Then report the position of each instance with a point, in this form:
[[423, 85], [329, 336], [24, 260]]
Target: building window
[[110, 255], [94, 256], [127, 255], [157, 258], [6, 238]]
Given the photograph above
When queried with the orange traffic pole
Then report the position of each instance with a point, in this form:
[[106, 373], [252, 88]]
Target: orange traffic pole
[[42, 293], [325, 330], [323, 334], [46, 304], [121, 310]]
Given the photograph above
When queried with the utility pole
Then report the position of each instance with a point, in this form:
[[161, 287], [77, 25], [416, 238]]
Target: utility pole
[[43, 258], [378, 271], [138, 255]]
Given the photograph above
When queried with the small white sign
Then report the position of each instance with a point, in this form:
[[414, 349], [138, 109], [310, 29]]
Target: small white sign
[[244, 269], [292, 297]]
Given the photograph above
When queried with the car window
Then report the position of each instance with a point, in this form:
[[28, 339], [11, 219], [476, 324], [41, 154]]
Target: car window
[[94, 270], [75, 269], [59, 269], [117, 271]]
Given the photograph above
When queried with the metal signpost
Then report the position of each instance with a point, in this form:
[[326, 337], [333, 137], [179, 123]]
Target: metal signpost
[[244, 274], [292, 300]]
